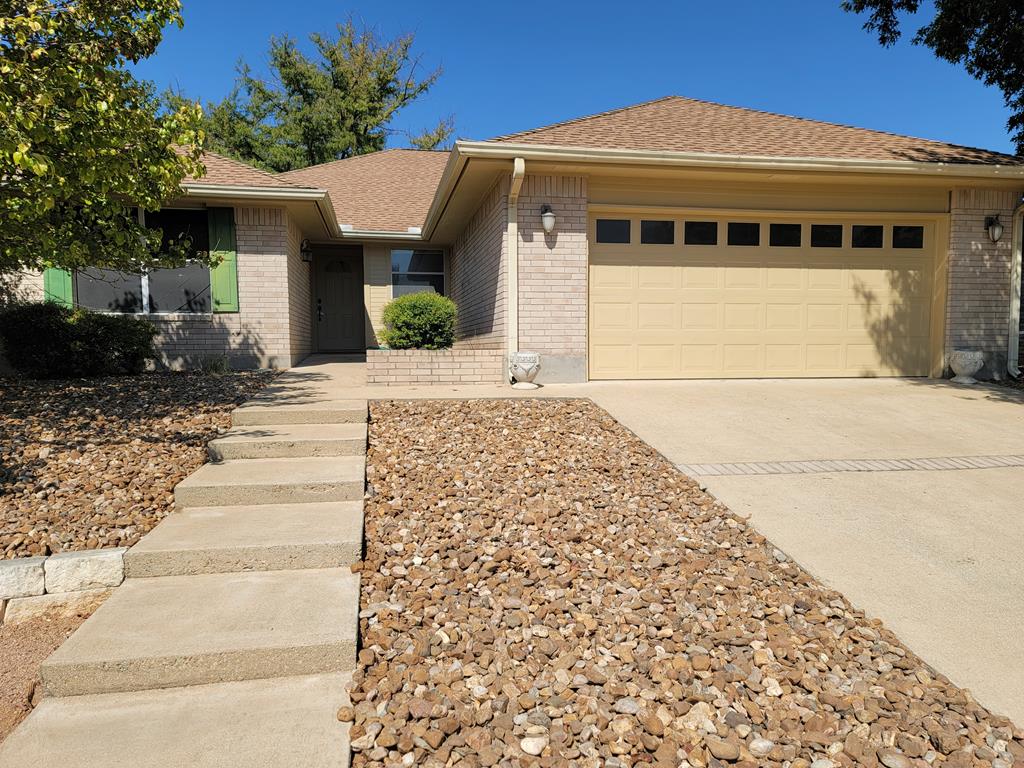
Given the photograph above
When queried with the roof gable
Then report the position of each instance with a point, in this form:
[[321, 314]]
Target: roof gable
[[678, 124], [388, 191]]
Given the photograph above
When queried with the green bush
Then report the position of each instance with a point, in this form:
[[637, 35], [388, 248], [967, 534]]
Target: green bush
[[48, 341], [420, 321]]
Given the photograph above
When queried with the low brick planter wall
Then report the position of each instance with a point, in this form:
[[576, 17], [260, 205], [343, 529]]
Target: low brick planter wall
[[31, 584], [404, 367]]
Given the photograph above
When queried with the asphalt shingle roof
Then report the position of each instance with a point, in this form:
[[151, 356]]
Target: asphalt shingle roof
[[678, 124], [388, 191]]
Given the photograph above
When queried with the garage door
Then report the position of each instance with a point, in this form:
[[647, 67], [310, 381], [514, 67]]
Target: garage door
[[737, 297]]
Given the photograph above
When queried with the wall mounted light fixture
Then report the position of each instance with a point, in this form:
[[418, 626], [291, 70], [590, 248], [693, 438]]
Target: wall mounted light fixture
[[547, 218], [306, 251], [994, 227]]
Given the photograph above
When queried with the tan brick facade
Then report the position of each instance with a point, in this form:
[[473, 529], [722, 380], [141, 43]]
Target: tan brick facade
[[405, 367], [272, 281], [553, 276], [477, 273], [978, 300]]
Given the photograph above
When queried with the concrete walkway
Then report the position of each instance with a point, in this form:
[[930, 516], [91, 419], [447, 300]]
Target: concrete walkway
[[233, 638]]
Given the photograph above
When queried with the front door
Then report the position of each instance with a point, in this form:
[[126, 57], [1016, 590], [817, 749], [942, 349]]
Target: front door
[[339, 302]]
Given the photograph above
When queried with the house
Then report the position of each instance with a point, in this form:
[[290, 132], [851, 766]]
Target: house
[[684, 239]]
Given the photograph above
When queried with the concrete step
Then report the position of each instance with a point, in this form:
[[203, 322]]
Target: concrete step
[[273, 481], [290, 440], [277, 723], [175, 631], [264, 537], [311, 410]]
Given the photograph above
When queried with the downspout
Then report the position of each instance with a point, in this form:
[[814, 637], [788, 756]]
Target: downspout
[[1013, 335], [512, 266]]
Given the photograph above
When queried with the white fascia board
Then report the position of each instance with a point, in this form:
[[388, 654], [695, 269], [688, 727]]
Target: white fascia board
[[542, 152], [320, 197]]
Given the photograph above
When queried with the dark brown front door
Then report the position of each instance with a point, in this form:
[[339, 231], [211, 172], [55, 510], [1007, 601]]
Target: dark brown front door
[[339, 302]]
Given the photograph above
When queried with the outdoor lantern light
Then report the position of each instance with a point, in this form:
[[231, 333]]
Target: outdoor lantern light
[[306, 251], [994, 227], [547, 218]]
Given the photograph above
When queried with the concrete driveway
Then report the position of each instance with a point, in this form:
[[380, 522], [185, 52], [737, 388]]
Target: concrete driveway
[[907, 530]]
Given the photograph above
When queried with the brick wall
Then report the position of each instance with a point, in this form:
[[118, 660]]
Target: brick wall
[[553, 276], [977, 307], [258, 335], [405, 367], [477, 274], [300, 298]]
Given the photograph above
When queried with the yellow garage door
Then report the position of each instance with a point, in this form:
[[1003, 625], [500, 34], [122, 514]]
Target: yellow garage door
[[736, 297]]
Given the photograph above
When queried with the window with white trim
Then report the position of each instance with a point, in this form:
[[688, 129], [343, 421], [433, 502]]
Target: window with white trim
[[183, 288], [416, 271]]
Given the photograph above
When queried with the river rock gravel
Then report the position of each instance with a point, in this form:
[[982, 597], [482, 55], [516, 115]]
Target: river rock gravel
[[542, 588], [92, 463]]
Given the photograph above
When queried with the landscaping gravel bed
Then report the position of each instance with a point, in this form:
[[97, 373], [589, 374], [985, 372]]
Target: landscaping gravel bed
[[542, 588], [93, 462]]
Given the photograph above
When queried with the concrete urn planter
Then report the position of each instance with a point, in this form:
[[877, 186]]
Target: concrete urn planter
[[965, 364], [523, 367]]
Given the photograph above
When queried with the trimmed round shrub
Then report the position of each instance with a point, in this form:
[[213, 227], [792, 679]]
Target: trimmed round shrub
[[50, 341], [420, 321]]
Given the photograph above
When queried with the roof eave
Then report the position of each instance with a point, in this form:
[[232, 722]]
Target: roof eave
[[380, 234], [321, 198], [510, 150]]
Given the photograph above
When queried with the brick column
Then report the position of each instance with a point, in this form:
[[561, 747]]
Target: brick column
[[977, 305], [553, 276]]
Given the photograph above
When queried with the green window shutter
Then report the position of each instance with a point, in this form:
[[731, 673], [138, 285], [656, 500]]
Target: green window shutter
[[223, 277], [57, 287]]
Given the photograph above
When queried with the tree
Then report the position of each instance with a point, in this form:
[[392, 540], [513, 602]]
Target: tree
[[986, 36], [313, 110], [81, 139]]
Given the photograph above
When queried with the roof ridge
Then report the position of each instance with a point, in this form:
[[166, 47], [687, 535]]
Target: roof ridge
[[574, 120], [753, 111], [831, 123], [364, 155]]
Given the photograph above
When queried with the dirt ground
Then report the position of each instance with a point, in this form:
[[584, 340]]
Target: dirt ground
[[23, 647]]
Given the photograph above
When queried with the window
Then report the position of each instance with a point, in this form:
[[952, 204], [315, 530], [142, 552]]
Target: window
[[865, 236], [907, 237], [743, 233], [184, 288], [826, 235], [657, 232], [613, 230], [109, 291], [416, 272], [784, 235], [700, 233]]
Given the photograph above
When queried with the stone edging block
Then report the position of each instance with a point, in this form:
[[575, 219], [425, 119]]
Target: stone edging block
[[78, 571], [21, 577]]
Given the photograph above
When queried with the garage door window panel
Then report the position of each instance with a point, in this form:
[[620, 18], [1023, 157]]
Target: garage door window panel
[[907, 237], [744, 233], [614, 231], [700, 233], [826, 236], [655, 232], [784, 235], [867, 235]]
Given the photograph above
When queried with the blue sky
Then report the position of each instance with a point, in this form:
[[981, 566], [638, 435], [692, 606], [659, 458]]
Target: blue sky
[[559, 60]]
